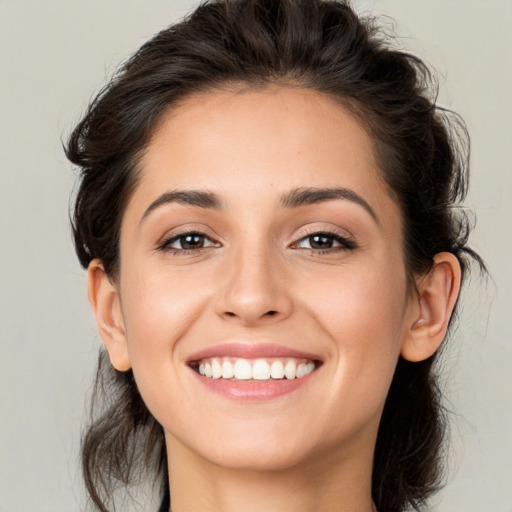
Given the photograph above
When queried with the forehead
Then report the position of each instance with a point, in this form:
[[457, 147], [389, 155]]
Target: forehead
[[274, 139]]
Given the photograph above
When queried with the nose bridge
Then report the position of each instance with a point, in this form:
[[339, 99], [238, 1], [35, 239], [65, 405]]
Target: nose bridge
[[254, 286]]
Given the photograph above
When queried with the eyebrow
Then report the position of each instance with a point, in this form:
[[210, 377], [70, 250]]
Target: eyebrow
[[293, 199], [199, 198], [308, 196]]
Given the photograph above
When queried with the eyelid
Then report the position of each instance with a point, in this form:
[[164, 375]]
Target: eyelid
[[164, 243], [342, 236]]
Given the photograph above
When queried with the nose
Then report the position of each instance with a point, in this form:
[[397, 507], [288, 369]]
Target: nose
[[254, 289]]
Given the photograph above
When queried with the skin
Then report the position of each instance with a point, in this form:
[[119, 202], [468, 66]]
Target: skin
[[258, 280]]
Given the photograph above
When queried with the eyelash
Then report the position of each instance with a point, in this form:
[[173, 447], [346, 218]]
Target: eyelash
[[165, 245], [346, 244]]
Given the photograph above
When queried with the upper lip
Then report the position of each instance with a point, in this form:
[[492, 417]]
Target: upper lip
[[251, 350]]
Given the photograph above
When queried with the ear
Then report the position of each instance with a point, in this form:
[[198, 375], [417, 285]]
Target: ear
[[105, 303], [437, 296]]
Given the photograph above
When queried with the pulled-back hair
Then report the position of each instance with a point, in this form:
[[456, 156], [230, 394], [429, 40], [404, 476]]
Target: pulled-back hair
[[422, 152]]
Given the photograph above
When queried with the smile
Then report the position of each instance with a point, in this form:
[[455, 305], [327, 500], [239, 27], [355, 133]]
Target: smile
[[249, 371], [242, 369]]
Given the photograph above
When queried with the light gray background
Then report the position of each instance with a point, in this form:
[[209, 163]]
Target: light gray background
[[53, 56]]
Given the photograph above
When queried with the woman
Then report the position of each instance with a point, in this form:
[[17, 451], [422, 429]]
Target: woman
[[266, 213]]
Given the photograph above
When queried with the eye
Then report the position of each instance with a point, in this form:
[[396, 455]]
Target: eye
[[324, 241], [187, 242]]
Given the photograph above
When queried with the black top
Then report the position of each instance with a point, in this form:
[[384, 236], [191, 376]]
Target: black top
[[166, 503]]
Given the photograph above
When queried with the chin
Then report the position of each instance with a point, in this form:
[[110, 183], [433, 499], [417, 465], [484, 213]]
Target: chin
[[261, 448], [257, 457]]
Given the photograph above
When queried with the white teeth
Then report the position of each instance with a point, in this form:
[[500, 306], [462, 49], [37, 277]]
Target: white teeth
[[261, 370], [243, 370], [289, 369], [300, 371], [228, 371], [216, 369], [255, 369], [277, 369]]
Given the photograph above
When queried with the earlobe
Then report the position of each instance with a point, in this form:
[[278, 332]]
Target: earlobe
[[105, 303], [437, 296]]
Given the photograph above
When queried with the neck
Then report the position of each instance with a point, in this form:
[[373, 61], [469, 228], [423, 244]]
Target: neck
[[332, 482]]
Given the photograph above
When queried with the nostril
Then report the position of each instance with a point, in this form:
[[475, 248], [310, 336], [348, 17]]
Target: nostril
[[242, 315]]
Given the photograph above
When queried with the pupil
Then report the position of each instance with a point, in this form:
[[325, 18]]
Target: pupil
[[320, 242], [192, 242]]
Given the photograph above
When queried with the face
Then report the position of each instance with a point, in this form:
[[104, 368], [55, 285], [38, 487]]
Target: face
[[262, 284]]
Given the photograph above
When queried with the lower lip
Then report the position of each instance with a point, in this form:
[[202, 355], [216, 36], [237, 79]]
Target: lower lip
[[254, 391]]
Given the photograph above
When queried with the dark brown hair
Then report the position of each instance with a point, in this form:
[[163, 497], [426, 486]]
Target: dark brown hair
[[422, 151]]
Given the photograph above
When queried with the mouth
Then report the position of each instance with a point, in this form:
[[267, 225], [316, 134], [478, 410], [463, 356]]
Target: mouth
[[254, 369]]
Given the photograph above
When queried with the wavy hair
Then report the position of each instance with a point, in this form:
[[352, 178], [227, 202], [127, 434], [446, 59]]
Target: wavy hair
[[422, 151]]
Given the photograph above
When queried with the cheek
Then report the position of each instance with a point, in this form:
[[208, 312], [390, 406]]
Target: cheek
[[158, 308], [364, 315], [360, 301]]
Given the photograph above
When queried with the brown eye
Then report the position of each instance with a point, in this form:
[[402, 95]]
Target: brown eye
[[320, 242], [325, 242], [187, 242], [192, 241]]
